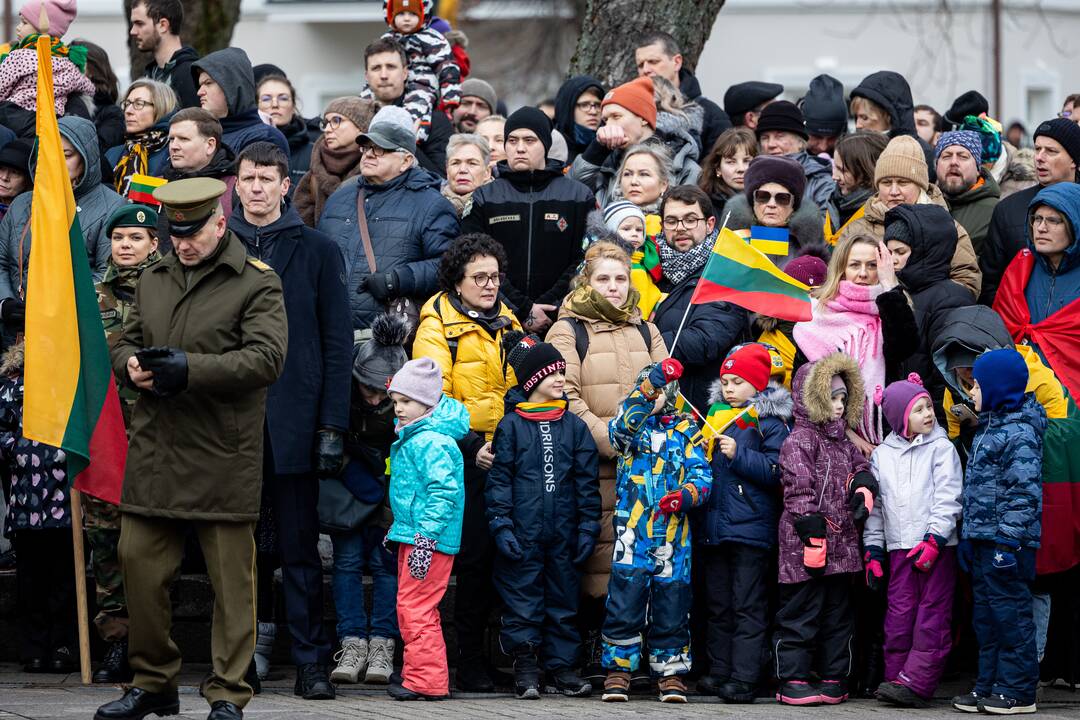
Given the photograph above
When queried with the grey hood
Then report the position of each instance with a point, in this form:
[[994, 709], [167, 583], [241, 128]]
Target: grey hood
[[231, 69], [975, 328], [82, 135]]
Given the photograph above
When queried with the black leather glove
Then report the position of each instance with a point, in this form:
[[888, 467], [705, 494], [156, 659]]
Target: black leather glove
[[170, 369], [329, 452], [13, 312], [381, 286]]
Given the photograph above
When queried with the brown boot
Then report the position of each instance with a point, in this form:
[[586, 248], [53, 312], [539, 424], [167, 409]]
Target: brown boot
[[672, 689], [617, 687]]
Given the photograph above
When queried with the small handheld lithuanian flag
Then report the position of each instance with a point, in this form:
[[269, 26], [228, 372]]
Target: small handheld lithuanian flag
[[741, 274], [721, 416], [141, 189]]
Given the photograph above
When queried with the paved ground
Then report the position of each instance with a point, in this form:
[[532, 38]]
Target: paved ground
[[55, 698]]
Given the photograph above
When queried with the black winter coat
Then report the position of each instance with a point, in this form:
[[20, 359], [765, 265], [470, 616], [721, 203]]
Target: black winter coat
[[312, 391], [716, 120], [891, 91], [177, 74], [711, 330], [1006, 237], [540, 217], [543, 484], [301, 135]]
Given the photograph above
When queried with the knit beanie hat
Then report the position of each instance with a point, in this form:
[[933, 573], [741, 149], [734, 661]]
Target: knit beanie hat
[[824, 108], [970, 103], [379, 359], [751, 362], [778, 169], [898, 399], [903, 157], [784, 116], [615, 213], [837, 385], [1065, 132], [532, 359], [989, 131], [420, 379], [637, 97], [61, 14], [530, 118], [810, 270], [395, 7], [353, 107], [967, 139], [475, 87], [1003, 377]]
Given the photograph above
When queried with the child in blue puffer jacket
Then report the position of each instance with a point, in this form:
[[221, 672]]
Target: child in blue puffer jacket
[[735, 532], [1002, 509]]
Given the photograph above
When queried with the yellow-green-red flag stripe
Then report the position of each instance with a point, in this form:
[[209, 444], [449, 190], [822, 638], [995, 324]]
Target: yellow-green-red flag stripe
[[70, 399]]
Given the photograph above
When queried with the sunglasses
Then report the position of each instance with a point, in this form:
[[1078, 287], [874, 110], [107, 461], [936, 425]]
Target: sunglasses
[[764, 197]]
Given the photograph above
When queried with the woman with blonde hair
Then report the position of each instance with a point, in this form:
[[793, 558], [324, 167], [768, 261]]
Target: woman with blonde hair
[[148, 105]]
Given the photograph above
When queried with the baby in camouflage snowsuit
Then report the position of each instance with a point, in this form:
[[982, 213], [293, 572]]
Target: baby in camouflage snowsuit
[[433, 72], [662, 473]]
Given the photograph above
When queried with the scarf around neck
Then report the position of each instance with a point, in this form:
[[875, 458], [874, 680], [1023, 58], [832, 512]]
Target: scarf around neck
[[75, 53], [136, 158], [677, 266], [544, 411], [588, 303]]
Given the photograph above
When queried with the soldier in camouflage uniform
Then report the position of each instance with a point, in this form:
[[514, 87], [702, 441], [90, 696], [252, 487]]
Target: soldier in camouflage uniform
[[133, 231]]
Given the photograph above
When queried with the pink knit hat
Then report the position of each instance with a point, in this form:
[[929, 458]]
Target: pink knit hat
[[61, 14], [420, 379]]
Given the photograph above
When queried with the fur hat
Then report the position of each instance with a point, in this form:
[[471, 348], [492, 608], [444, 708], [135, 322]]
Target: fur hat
[[903, 158], [775, 168], [637, 97], [379, 359], [420, 379]]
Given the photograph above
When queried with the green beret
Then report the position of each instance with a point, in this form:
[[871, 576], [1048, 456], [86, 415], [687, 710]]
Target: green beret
[[132, 216], [189, 203]]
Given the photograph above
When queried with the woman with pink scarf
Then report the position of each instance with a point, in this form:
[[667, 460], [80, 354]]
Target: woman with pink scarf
[[860, 312]]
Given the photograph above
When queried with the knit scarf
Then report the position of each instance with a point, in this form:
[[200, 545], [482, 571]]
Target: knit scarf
[[588, 303], [329, 168], [677, 266], [849, 323], [647, 258], [136, 157], [76, 54], [543, 411], [462, 203]]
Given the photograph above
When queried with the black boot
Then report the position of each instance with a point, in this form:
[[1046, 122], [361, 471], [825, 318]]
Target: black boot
[[114, 667], [567, 682], [312, 683], [63, 661], [526, 675], [137, 704]]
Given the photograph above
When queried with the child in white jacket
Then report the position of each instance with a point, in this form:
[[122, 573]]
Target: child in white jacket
[[914, 520]]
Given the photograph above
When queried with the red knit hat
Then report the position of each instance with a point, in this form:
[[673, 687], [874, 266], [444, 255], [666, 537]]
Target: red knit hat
[[637, 97], [751, 362], [393, 7]]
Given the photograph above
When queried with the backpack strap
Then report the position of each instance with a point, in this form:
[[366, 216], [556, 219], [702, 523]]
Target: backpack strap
[[581, 336], [646, 335]]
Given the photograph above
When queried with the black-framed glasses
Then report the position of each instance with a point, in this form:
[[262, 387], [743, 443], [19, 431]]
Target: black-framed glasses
[[138, 104], [374, 150], [764, 197], [689, 222], [588, 106], [482, 279]]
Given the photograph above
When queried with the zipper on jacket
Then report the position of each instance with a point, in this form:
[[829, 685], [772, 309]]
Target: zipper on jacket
[[746, 496]]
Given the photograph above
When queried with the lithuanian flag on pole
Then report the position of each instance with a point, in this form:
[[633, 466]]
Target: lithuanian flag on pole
[[742, 275], [70, 399]]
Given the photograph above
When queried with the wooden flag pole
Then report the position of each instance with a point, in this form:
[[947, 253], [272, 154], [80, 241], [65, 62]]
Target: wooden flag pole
[[80, 585], [671, 350]]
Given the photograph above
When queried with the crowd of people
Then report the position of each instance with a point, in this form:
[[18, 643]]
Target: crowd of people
[[463, 342]]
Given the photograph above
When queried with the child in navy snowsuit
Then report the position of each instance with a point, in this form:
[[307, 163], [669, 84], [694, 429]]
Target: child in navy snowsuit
[[543, 509], [914, 521], [662, 473], [1002, 509], [735, 532]]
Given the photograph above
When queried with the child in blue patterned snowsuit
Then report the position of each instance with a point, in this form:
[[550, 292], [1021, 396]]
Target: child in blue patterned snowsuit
[[662, 473]]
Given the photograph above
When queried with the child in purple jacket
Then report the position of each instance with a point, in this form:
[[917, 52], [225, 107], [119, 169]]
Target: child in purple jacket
[[827, 488]]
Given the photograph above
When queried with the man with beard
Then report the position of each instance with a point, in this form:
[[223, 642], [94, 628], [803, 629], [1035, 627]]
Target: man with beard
[[155, 26], [478, 101], [970, 189]]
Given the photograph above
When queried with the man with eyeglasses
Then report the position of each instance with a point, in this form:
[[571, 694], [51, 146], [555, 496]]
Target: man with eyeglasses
[[226, 89], [409, 223], [710, 330], [1057, 160], [538, 215]]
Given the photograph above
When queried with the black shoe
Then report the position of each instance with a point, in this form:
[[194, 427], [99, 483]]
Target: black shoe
[[968, 703], [900, 695], [473, 677], [34, 665], [224, 710], [567, 682], [114, 666], [137, 704], [63, 661], [312, 683], [1001, 705], [737, 692], [400, 692], [710, 684], [526, 676]]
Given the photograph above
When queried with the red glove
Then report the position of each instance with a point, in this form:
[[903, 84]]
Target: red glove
[[676, 501], [926, 552], [664, 372]]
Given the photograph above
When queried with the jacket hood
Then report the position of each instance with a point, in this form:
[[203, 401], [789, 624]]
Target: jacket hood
[[596, 229], [415, 178], [813, 398], [674, 131], [11, 363], [567, 97], [812, 164], [1065, 198], [805, 223], [239, 224], [774, 401], [449, 418], [931, 235], [891, 91], [82, 135], [231, 69], [971, 330], [689, 85]]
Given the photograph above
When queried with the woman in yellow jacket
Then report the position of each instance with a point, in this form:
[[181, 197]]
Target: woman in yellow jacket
[[461, 329]]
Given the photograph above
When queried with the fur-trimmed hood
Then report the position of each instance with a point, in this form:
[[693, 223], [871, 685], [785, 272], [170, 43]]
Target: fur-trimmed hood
[[11, 363], [805, 223], [813, 399], [774, 401]]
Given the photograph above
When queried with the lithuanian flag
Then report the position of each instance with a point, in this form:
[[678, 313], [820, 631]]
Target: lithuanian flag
[[740, 274], [722, 416], [141, 189], [70, 399]]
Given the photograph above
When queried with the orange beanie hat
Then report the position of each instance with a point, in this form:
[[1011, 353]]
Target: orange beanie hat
[[637, 97], [393, 7]]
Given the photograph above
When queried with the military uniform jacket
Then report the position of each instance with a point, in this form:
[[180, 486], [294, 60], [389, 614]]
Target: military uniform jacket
[[198, 455]]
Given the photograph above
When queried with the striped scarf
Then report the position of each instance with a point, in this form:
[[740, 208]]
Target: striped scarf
[[136, 157], [541, 411]]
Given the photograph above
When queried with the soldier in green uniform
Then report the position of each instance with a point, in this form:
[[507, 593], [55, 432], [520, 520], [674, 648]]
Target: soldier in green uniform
[[132, 230], [205, 338]]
